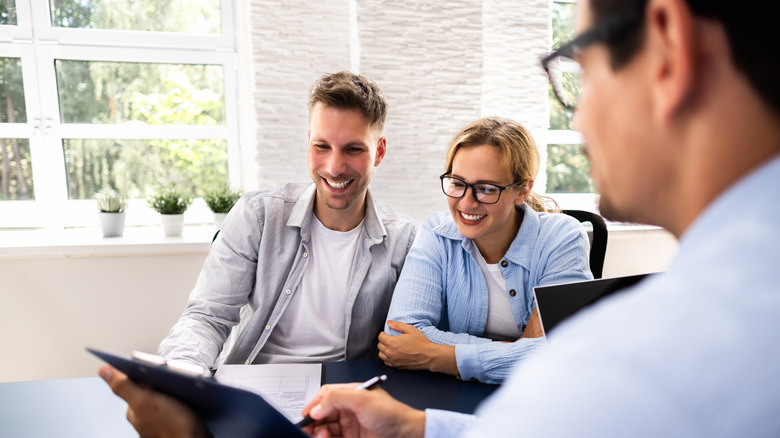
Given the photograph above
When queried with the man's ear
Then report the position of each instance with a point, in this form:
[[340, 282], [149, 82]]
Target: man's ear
[[671, 42], [381, 148]]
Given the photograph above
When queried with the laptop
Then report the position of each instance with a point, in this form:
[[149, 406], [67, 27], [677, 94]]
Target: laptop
[[560, 301]]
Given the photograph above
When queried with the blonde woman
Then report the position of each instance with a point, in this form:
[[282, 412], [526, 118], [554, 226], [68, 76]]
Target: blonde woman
[[464, 302]]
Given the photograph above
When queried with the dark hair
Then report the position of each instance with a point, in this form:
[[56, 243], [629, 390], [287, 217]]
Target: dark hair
[[749, 28], [346, 90]]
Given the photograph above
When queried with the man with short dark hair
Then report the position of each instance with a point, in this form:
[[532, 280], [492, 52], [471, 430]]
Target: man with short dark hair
[[304, 252], [680, 111]]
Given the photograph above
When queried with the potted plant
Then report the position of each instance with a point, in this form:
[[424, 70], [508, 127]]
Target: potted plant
[[171, 202], [111, 206], [220, 199]]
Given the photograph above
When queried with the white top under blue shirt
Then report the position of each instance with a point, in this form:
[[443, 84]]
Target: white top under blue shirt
[[692, 352]]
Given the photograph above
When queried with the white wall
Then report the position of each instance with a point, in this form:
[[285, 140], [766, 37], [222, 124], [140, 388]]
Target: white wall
[[51, 307], [441, 65]]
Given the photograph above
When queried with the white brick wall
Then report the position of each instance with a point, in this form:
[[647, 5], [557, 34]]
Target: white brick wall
[[441, 64]]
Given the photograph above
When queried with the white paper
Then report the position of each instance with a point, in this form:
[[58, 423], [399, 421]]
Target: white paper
[[287, 387]]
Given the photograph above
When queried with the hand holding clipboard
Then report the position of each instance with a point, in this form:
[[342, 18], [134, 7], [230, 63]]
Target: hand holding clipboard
[[226, 411]]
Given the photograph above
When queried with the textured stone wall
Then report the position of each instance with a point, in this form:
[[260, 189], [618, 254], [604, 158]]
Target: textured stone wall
[[441, 64]]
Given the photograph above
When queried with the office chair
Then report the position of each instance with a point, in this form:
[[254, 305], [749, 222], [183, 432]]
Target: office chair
[[598, 245]]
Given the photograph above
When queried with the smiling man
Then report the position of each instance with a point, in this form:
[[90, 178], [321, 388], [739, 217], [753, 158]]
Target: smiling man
[[305, 270]]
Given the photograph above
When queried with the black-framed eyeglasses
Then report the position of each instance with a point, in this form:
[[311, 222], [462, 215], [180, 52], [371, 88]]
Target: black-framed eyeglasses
[[486, 193], [565, 73]]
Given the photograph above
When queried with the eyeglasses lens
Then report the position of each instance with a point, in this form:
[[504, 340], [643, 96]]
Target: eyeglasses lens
[[455, 188]]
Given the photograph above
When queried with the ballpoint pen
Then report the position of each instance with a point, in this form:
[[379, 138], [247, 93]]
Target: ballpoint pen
[[367, 385]]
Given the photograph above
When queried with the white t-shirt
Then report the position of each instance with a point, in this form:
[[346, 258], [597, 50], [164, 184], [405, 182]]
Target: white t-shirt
[[501, 325], [313, 327]]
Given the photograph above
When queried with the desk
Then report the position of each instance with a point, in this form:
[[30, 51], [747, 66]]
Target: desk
[[87, 408]]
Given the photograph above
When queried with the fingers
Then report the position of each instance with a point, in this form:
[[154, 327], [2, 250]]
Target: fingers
[[400, 326], [342, 398], [324, 389], [119, 383], [327, 430]]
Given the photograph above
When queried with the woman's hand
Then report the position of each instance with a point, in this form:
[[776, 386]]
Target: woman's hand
[[413, 351], [151, 413]]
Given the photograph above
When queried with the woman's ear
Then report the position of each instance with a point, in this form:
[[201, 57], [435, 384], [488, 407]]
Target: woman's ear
[[524, 191]]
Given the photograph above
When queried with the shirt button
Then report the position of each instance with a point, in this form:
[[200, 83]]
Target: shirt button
[[306, 254], [268, 327], [504, 263], [512, 293], [288, 291]]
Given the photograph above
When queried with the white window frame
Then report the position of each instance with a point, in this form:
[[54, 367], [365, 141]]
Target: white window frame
[[38, 44]]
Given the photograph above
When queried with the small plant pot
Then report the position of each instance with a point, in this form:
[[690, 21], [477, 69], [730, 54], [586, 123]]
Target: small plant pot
[[173, 224], [218, 219], [112, 224]]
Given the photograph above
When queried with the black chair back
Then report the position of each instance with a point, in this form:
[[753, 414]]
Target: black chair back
[[598, 244]]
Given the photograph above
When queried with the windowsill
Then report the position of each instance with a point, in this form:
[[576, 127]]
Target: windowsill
[[618, 227], [88, 242]]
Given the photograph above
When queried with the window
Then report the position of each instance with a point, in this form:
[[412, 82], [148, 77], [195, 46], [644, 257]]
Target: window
[[120, 94], [567, 168]]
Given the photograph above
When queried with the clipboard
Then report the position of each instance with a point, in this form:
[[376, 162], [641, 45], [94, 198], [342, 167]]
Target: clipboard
[[227, 411]]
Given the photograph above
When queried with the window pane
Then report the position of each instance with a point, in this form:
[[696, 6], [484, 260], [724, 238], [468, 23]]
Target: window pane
[[7, 12], [12, 109], [157, 94], [134, 167], [560, 117], [187, 16], [563, 31], [16, 181], [567, 169], [563, 22]]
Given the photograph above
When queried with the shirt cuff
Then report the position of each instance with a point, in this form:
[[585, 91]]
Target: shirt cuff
[[446, 424], [467, 359]]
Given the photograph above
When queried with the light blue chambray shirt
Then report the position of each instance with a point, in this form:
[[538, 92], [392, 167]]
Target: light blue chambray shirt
[[443, 292], [692, 352], [258, 261]]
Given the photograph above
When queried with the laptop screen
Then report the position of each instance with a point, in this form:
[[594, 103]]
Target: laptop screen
[[560, 301]]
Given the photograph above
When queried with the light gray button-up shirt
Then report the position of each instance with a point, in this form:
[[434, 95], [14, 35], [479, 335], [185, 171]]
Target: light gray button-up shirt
[[258, 261]]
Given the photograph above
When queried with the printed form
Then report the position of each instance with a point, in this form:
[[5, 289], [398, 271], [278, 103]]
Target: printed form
[[287, 387]]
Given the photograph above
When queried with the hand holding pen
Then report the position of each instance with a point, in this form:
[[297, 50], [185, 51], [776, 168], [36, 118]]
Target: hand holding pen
[[369, 384]]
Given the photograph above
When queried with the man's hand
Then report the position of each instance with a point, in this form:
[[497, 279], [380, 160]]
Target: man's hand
[[151, 413], [413, 351], [534, 327], [340, 411]]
